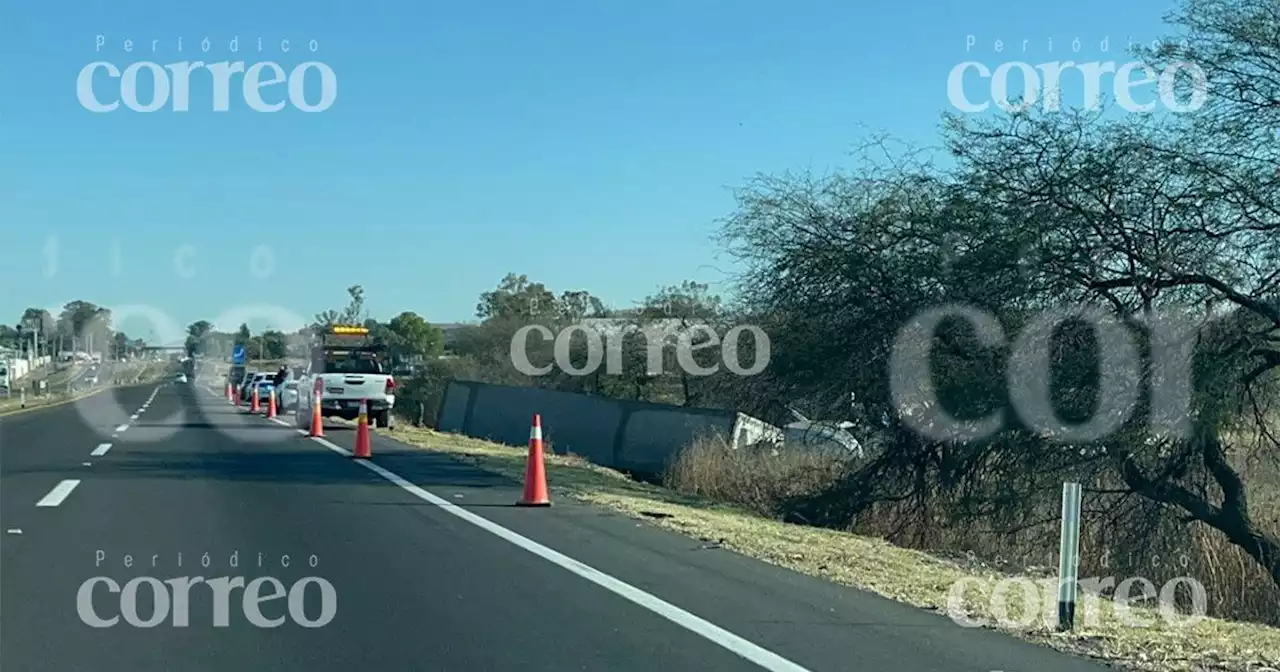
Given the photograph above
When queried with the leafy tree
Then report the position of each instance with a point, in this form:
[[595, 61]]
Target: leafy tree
[[199, 329], [689, 302], [517, 299], [270, 345], [38, 319], [40, 323], [198, 335], [577, 305], [243, 335], [327, 318], [689, 308], [411, 337], [354, 313], [77, 315], [121, 346], [83, 324]]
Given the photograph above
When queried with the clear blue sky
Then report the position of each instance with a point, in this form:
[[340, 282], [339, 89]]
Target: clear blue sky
[[589, 144]]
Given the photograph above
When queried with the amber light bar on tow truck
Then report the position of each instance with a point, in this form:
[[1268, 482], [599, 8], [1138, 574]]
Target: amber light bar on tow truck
[[345, 336]]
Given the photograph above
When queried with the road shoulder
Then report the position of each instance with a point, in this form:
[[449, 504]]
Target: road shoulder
[[801, 617], [873, 565]]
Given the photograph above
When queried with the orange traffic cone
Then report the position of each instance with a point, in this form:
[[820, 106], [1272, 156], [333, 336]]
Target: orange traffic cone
[[317, 419], [363, 449], [535, 471], [254, 406], [271, 404]]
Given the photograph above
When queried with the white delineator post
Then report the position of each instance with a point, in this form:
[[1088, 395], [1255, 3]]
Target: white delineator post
[[1069, 556]]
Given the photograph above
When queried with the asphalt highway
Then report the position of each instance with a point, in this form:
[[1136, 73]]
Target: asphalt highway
[[427, 563]]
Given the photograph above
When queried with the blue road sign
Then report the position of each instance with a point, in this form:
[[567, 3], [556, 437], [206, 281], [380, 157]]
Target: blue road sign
[[237, 354]]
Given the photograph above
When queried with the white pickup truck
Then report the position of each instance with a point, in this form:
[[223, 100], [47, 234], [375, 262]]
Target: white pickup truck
[[346, 367]]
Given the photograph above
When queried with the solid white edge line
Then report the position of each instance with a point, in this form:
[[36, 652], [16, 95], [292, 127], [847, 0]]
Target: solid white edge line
[[59, 493], [100, 450], [706, 629]]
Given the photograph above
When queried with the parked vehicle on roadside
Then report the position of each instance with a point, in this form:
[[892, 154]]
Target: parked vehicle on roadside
[[287, 396], [346, 363]]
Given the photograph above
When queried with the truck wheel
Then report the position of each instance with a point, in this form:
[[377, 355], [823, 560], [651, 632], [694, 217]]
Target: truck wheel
[[382, 419]]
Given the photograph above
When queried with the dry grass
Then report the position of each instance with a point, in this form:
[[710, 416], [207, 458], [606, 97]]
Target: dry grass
[[144, 372], [758, 478], [1156, 545], [906, 575]]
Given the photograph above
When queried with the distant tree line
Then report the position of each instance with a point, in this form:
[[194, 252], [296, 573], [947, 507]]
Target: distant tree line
[[407, 337], [80, 326]]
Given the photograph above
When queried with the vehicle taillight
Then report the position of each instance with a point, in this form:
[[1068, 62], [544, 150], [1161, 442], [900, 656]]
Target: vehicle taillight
[[391, 386]]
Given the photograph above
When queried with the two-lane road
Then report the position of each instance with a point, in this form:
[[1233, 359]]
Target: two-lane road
[[411, 561]]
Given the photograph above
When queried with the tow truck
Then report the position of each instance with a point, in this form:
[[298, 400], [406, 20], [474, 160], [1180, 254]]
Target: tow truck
[[346, 368]]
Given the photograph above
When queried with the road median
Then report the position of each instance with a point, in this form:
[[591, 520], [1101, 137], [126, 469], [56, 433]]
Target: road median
[[15, 405], [136, 375]]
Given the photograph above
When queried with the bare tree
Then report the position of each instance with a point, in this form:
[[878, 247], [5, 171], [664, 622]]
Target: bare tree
[[1133, 217]]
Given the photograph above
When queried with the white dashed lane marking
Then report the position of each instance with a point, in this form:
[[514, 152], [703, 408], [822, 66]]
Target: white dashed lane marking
[[59, 493], [100, 450]]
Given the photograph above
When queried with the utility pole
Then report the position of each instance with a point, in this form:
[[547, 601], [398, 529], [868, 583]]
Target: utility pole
[[33, 326]]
